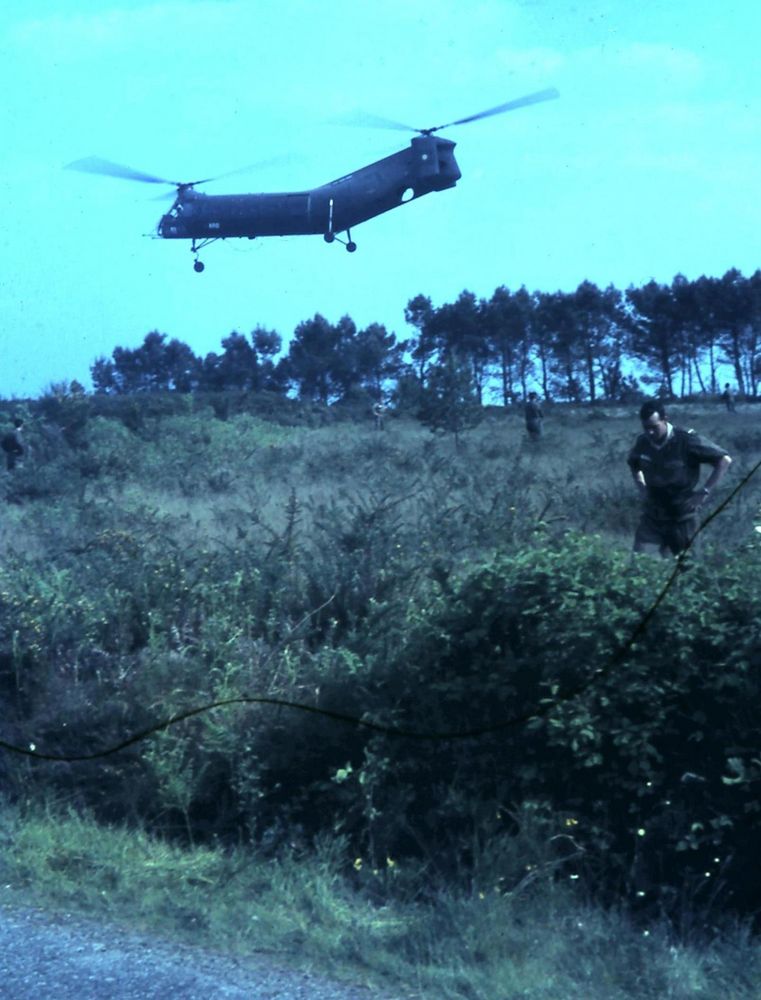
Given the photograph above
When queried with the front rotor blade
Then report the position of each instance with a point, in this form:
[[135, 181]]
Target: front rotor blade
[[520, 102], [95, 165]]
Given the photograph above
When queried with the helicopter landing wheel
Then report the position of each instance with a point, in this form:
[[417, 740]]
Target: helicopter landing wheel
[[329, 237], [351, 246], [198, 266]]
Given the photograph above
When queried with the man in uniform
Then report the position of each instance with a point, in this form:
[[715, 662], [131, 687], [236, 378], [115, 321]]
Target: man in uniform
[[379, 413], [665, 463], [12, 444], [534, 416]]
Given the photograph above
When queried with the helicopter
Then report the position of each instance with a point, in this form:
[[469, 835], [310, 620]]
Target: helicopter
[[426, 165]]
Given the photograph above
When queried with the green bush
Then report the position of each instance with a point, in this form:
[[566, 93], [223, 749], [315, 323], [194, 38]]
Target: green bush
[[636, 755], [636, 745]]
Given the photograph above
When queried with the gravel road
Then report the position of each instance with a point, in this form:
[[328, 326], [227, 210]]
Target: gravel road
[[66, 957]]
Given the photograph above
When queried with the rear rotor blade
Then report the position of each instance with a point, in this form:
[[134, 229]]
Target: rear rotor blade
[[96, 165], [520, 102], [363, 119]]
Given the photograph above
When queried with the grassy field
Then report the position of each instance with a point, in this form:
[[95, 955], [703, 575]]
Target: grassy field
[[228, 477], [201, 558]]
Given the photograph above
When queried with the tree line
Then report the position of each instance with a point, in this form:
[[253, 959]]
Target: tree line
[[591, 344]]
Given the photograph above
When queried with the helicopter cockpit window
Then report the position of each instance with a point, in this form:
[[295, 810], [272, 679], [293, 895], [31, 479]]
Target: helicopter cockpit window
[[182, 209]]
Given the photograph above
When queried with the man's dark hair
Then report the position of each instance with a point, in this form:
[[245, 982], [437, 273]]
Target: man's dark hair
[[651, 406], [18, 422]]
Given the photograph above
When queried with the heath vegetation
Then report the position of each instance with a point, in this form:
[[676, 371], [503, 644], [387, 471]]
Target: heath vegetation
[[496, 782]]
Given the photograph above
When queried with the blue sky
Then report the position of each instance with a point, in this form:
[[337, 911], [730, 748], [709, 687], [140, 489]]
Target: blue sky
[[647, 166]]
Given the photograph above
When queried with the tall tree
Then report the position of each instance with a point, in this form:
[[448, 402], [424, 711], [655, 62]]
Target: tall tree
[[733, 316], [694, 305], [156, 364], [544, 320], [657, 334], [459, 328], [320, 359], [378, 359], [103, 375], [559, 327], [506, 318], [600, 322], [238, 366], [418, 313], [267, 344], [182, 367], [703, 340], [754, 335]]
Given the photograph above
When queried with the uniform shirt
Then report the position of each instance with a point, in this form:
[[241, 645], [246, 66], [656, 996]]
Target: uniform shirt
[[672, 469], [11, 443], [533, 412]]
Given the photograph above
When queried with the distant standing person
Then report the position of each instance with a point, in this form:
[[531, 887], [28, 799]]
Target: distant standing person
[[729, 398], [12, 444], [379, 413], [665, 463], [534, 417]]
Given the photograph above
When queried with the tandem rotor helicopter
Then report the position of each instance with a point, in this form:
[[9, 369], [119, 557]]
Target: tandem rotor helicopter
[[426, 165]]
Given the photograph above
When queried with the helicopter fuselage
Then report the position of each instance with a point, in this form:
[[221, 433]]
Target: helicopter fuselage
[[426, 165]]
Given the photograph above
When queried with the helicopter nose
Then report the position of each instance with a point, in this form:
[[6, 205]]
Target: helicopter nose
[[169, 227]]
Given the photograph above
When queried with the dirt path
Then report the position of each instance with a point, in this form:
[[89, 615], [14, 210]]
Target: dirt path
[[70, 958]]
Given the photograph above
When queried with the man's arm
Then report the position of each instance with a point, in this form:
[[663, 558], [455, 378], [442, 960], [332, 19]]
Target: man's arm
[[639, 480], [719, 471], [636, 470]]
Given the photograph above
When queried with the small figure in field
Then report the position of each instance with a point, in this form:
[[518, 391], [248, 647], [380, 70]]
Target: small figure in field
[[12, 444], [534, 417], [728, 398], [665, 463], [379, 413]]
